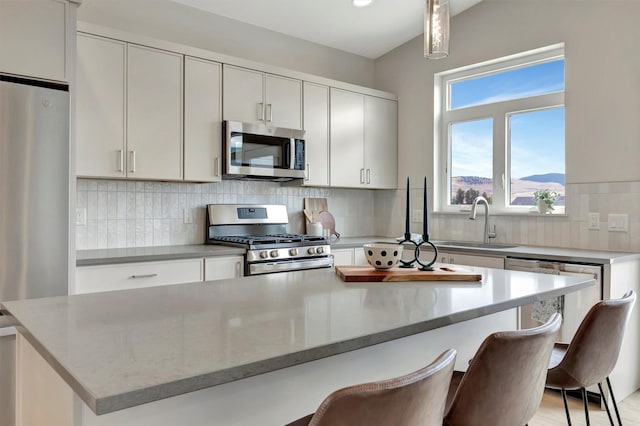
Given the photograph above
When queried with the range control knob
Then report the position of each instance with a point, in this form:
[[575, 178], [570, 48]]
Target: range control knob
[[320, 250], [311, 250], [273, 253], [264, 254], [293, 252]]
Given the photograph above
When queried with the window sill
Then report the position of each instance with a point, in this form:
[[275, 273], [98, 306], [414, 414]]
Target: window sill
[[506, 214]]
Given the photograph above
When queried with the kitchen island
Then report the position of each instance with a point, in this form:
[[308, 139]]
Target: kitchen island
[[258, 350]]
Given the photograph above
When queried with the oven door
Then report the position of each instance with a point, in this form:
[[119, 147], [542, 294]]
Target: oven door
[[256, 150], [260, 268]]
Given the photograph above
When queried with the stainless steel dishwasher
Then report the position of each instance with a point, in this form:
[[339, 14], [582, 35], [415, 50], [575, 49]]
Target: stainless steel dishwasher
[[572, 306]]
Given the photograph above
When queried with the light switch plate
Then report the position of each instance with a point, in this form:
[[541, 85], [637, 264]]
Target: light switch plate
[[81, 216], [594, 221], [618, 222], [187, 215]]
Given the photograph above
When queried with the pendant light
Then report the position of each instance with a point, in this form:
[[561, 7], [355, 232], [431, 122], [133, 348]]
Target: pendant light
[[436, 29]]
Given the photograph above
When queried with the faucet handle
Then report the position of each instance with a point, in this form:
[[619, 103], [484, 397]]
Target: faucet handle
[[493, 233]]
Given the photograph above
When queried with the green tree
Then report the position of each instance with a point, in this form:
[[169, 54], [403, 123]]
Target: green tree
[[470, 195], [459, 196]]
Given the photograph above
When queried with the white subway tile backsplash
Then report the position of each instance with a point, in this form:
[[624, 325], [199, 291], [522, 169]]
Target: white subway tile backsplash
[[133, 213]]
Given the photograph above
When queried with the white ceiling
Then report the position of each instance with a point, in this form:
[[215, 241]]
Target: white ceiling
[[370, 31]]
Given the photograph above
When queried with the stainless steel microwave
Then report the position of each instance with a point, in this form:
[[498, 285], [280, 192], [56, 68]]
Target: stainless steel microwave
[[257, 151]]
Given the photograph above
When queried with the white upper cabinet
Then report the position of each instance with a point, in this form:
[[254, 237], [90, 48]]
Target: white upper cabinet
[[347, 138], [33, 38], [316, 125], [363, 141], [381, 142], [202, 120], [128, 110], [100, 107], [251, 96], [154, 114]]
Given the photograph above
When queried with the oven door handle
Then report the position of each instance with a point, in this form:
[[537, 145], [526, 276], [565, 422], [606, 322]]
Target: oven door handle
[[268, 267]]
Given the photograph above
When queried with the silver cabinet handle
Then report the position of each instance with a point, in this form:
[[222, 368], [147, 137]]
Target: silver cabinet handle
[[216, 166], [238, 270], [368, 175], [270, 113], [143, 276], [361, 175], [133, 161], [307, 173], [260, 111], [120, 160]]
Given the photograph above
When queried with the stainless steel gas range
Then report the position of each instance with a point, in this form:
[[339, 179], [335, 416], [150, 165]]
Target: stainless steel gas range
[[262, 230]]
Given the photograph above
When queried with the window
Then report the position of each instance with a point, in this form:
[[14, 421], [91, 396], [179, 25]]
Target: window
[[500, 132]]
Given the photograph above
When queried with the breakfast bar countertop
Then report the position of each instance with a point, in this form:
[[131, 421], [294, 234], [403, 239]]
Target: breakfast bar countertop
[[121, 349]]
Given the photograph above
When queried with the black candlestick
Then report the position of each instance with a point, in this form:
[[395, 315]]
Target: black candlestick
[[407, 232], [407, 228], [425, 213]]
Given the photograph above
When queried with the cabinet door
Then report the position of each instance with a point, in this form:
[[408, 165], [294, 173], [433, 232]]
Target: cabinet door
[[359, 257], [316, 125], [202, 120], [154, 114], [218, 268], [283, 97], [242, 94], [33, 38], [343, 256], [100, 107], [380, 142], [347, 139], [92, 279]]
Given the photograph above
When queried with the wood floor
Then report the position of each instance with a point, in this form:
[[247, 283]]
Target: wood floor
[[551, 412]]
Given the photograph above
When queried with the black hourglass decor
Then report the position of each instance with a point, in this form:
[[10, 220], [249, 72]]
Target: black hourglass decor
[[425, 234]]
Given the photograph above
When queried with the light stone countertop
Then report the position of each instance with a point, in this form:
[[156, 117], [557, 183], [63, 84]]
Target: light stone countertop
[[120, 349], [155, 253], [598, 257], [159, 253]]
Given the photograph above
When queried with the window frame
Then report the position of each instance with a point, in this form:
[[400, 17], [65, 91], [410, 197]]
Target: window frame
[[499, 112]]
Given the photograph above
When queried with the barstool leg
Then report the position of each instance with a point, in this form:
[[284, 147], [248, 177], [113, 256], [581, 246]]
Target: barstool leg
[[566, 407], [606, 406], [585, 402], [613, 398]]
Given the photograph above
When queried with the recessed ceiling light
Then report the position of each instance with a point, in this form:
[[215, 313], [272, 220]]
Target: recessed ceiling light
[[361, 3]]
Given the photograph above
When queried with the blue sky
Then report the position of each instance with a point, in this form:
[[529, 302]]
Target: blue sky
[[537, 137]]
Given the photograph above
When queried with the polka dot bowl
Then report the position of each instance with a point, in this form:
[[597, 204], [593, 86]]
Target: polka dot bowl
[[382, 255]]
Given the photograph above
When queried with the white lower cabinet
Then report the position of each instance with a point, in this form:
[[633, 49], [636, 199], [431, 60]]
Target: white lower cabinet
[[123, 276], [471, 260], [219, 268], [349, 256]]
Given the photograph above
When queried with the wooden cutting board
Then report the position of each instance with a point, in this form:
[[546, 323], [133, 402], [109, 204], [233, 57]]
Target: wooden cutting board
[[368, 273], [315, 206]]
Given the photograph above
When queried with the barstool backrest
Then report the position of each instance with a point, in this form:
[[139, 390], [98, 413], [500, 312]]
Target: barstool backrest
[[594, 349], [416, 399], [504, 383]]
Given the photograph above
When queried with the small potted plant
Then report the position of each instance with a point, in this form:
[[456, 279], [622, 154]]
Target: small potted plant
[[545, 199]]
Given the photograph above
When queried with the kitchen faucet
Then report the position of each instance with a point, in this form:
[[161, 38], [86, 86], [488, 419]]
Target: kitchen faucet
[[474, 206]]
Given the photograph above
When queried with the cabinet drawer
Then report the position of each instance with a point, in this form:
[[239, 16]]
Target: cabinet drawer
[[91, 279]]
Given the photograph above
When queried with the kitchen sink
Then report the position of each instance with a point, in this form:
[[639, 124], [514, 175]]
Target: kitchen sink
[[473, 244]]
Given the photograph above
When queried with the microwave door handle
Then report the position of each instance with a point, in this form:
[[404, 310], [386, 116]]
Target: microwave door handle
[[289, 155]]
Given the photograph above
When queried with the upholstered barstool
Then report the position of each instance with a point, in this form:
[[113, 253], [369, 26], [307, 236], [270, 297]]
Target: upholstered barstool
[[416, 399], [592, 354], [504, 383]]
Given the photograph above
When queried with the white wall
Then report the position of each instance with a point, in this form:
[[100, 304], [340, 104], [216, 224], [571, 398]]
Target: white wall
[[177, 23], [602, 109]]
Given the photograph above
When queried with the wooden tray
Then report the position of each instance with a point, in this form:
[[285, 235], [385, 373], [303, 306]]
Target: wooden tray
[[370, 274]]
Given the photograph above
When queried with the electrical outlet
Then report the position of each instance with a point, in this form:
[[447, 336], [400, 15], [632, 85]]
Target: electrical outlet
[[618, 223], [416, 215], [81, 216], [188, 215], [594, 221]]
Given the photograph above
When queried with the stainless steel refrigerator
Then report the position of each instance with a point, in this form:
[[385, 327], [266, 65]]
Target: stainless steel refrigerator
[[34, 206]]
